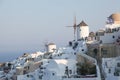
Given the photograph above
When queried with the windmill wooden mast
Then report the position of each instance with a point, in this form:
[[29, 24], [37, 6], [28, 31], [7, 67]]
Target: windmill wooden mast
[[74, 27]]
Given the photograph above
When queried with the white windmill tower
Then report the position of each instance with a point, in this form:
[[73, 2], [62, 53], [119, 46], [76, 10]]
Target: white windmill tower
[[82, 30]]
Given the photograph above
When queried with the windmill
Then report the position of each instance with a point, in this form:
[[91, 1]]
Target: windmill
[[74, 27], [45, 44]]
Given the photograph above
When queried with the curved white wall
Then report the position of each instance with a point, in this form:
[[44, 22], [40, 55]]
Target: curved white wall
[[84, 31], [51, 48]]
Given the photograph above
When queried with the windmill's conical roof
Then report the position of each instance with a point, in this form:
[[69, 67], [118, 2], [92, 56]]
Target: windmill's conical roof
[[82, 23]]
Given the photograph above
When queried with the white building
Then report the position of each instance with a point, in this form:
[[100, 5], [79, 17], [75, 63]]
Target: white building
[[112, 29]]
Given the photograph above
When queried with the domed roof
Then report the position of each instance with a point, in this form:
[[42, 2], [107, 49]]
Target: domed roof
[[115, 16]]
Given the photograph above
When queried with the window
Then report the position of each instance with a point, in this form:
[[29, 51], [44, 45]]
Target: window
[[95, 38], [82, 49], [27, 75], [28, 67], [53, 74], [70, 71], [70, 43], [113, 37], [95, 51], [118, 64], [100, 41], [104, 51]]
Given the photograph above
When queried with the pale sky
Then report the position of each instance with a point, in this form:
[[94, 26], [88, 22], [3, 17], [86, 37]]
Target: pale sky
[[25, 25]]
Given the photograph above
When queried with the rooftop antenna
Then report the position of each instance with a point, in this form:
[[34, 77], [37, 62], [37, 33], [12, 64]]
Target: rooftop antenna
[[74, 27]]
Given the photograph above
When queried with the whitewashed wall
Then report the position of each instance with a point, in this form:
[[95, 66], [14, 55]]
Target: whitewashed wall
[[108, 37], [84, 31]]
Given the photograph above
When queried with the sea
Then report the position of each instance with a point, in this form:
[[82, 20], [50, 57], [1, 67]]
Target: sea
[[10, 56], [7, 57]]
